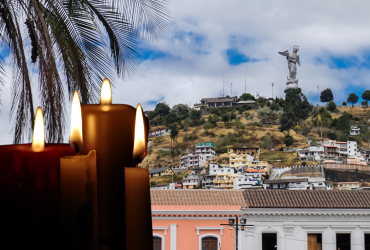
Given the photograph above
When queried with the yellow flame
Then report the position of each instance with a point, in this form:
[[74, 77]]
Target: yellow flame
[[105, 92], [38, 140], [76, 121], [139, 139]]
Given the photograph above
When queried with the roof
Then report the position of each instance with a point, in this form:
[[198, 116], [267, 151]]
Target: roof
[[329, 146], [217, 99], [307, 199], [198, 197], [157, 170], [340, 142], [303, 151], [280, 181], [247, 102], [353, 182], [264, 198]]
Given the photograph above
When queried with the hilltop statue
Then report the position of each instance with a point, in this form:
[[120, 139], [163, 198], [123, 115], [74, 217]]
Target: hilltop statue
[[292, 59]]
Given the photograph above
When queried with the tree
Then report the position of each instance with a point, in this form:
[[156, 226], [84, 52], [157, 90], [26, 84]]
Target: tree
[[366, 96], [195, 115], [232, 116], [352, 98], [225, 119], [297, 128], [332, 135], [266, 142], [181, 110], [246, 97], [274, 106], [216, 111], [288, 140], [213, 119], [287, 120], [343, 123], [326, 95], [173, 135], [298, 103], [363, 103], [343, 138], [332, 106], [80, 41], [344, 104], [268, 114], [162, 109]]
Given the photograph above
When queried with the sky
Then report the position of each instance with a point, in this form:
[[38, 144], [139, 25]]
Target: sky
[[238, 41]]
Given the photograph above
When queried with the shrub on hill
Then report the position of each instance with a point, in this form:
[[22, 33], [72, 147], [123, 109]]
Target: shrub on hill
[[332, 106]]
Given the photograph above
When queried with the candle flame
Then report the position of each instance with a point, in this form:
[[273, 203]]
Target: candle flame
[[76, 123], [139, 139], [105, 92], [38, 140]]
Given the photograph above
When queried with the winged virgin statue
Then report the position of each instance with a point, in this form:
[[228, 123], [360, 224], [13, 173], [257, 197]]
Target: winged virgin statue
[[292, 59]]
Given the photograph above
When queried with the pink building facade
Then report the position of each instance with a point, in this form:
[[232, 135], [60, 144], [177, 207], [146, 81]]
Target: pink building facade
[[190, 219]]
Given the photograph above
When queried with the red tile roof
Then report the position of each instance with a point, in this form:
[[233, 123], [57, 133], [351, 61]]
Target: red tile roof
[[198, 197], [307, 199], [263, 198]]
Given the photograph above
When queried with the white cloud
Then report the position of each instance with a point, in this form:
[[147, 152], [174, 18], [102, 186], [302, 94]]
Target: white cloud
[[262, 28]]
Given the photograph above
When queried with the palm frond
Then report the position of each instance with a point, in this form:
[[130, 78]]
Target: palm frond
[[22, 100], [150, 18]]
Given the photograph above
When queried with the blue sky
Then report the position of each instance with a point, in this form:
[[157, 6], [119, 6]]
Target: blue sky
[[211, 42]]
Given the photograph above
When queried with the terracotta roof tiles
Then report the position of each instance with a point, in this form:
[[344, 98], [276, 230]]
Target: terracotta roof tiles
[[264, 198]]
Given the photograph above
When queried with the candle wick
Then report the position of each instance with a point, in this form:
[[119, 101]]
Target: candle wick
[[77, 149]]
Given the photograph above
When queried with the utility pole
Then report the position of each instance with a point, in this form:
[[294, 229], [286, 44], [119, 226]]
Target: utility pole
[[272, 91], [245, 79], [318, 95], [231, 90], [236, 234], [223, 85]]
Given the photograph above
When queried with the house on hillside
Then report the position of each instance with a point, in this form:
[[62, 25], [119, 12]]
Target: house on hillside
[[217, 102], [207, 150], [250, 103], [349, 185], [191, 181], [355, 130], [192, 161], [336, 149], [160, 171], [159, 132], [298, 183], [254, 152], [224, 181]]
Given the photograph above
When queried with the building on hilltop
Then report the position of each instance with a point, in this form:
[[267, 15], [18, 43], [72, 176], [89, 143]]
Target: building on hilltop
[[160, 171], [312, 153], [192, 161], [207, 150], [217, 102], [254, 152]]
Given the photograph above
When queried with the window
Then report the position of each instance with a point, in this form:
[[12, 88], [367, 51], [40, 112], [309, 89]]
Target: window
[[343, 241], [157, 243], [228, 170], [209, 243], [314, 241], [367, 241], [269, 241]]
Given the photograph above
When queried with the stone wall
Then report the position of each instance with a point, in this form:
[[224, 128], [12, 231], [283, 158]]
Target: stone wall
[[345, 166], [304, 169]]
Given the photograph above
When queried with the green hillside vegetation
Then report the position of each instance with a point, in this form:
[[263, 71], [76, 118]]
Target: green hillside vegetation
[[228, 128]]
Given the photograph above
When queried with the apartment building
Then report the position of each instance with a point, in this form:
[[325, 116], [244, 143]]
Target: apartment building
[[207, 150], [254, 152], [215, 168], [249, 180], [244, 161], [312, 153], [224, 181], [238, 160], [192, 160], [191, 181], [335, 149], [159, 132], [349, 185]]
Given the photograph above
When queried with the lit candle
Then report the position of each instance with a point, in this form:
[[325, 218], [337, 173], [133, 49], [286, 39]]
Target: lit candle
[[29, 197], [109, 129], [139, 234], [78, 195]]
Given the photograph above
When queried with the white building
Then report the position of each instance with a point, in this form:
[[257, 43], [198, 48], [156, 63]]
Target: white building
[[248, 180], [192, 160], [355, 130], [307, 220], [340, 149], [159, 132], [206, 149], [215, 168]]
